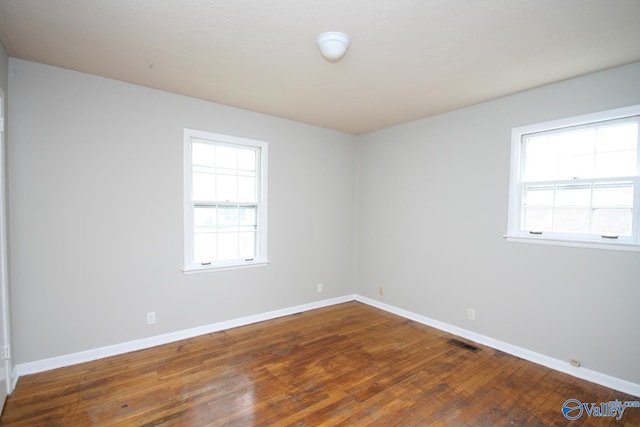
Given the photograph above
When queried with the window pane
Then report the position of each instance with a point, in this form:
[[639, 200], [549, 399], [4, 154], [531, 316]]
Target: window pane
[[203, 154], [228, 246], [542, 147], [247, 161], [622, 137], [228, 216], [204, 186], [615, 163], [204, 249], [226, 157], [577, 142], [540, 171], [571, 220], [246, 189], [538, 196], [247, 216], [575, 151], [612, 222], [601, 151], [573, 196], [204, 218], [538, 219], [247, 245], [613, 195], [541, 158], [227, 187], [578, 166]]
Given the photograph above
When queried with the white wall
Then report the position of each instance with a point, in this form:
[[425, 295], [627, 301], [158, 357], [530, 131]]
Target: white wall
[[432, 211], [95, 180]]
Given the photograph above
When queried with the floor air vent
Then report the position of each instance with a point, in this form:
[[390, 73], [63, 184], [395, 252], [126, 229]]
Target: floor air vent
[[463, 344]]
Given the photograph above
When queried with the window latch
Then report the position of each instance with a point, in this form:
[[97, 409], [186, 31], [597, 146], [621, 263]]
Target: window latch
[[535, 232], [604, 236], [205, 263]]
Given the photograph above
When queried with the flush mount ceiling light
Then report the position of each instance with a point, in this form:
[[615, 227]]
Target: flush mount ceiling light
[[333, 45]]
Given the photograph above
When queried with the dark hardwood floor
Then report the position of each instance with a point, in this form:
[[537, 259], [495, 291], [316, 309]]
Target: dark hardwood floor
[[348, 364]]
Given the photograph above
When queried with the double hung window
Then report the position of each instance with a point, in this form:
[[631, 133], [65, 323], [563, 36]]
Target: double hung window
[[225, 201], [577, 181]]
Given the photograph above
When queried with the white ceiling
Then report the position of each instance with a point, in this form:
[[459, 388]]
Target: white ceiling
[[408, 59]]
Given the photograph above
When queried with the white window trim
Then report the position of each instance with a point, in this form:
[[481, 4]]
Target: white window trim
[[261, 258], [515, 234]]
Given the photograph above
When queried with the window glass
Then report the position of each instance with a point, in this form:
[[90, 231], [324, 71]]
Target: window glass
[[225, 201], [577, 182]]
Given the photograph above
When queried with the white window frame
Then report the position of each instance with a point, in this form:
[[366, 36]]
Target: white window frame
[[260, 258], [514, 231]]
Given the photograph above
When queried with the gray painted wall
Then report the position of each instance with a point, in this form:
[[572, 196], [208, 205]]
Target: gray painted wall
[[432, 211], [4, 69], [4, 296], [96, 213]]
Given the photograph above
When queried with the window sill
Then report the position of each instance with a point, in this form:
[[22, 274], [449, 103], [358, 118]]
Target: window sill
[[619, 246], [223, 267]]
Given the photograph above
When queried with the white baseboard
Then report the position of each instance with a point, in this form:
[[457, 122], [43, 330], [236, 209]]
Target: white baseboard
[[555, 364], [13, 379], [113, 350]]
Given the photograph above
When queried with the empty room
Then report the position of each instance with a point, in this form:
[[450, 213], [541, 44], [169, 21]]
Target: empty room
[[395, 212]]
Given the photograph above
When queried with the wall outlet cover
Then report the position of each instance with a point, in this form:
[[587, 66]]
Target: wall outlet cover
[[151, 318]]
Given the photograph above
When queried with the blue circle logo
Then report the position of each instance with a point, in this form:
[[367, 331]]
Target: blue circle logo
[[572, 406]]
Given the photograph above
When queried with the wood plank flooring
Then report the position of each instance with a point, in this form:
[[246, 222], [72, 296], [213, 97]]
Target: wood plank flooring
[[348, 364]]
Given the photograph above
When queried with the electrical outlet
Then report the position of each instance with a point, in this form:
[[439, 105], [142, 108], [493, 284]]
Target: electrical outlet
[[381, 291], [320, 287], [151, 318], [575, 362], [471, 314]]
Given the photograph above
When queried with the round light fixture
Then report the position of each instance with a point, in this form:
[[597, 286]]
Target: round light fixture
[[333, 45]]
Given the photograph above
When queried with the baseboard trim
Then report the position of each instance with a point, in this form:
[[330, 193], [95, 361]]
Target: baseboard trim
[[532, 356], [141, 344], [14, 379]]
